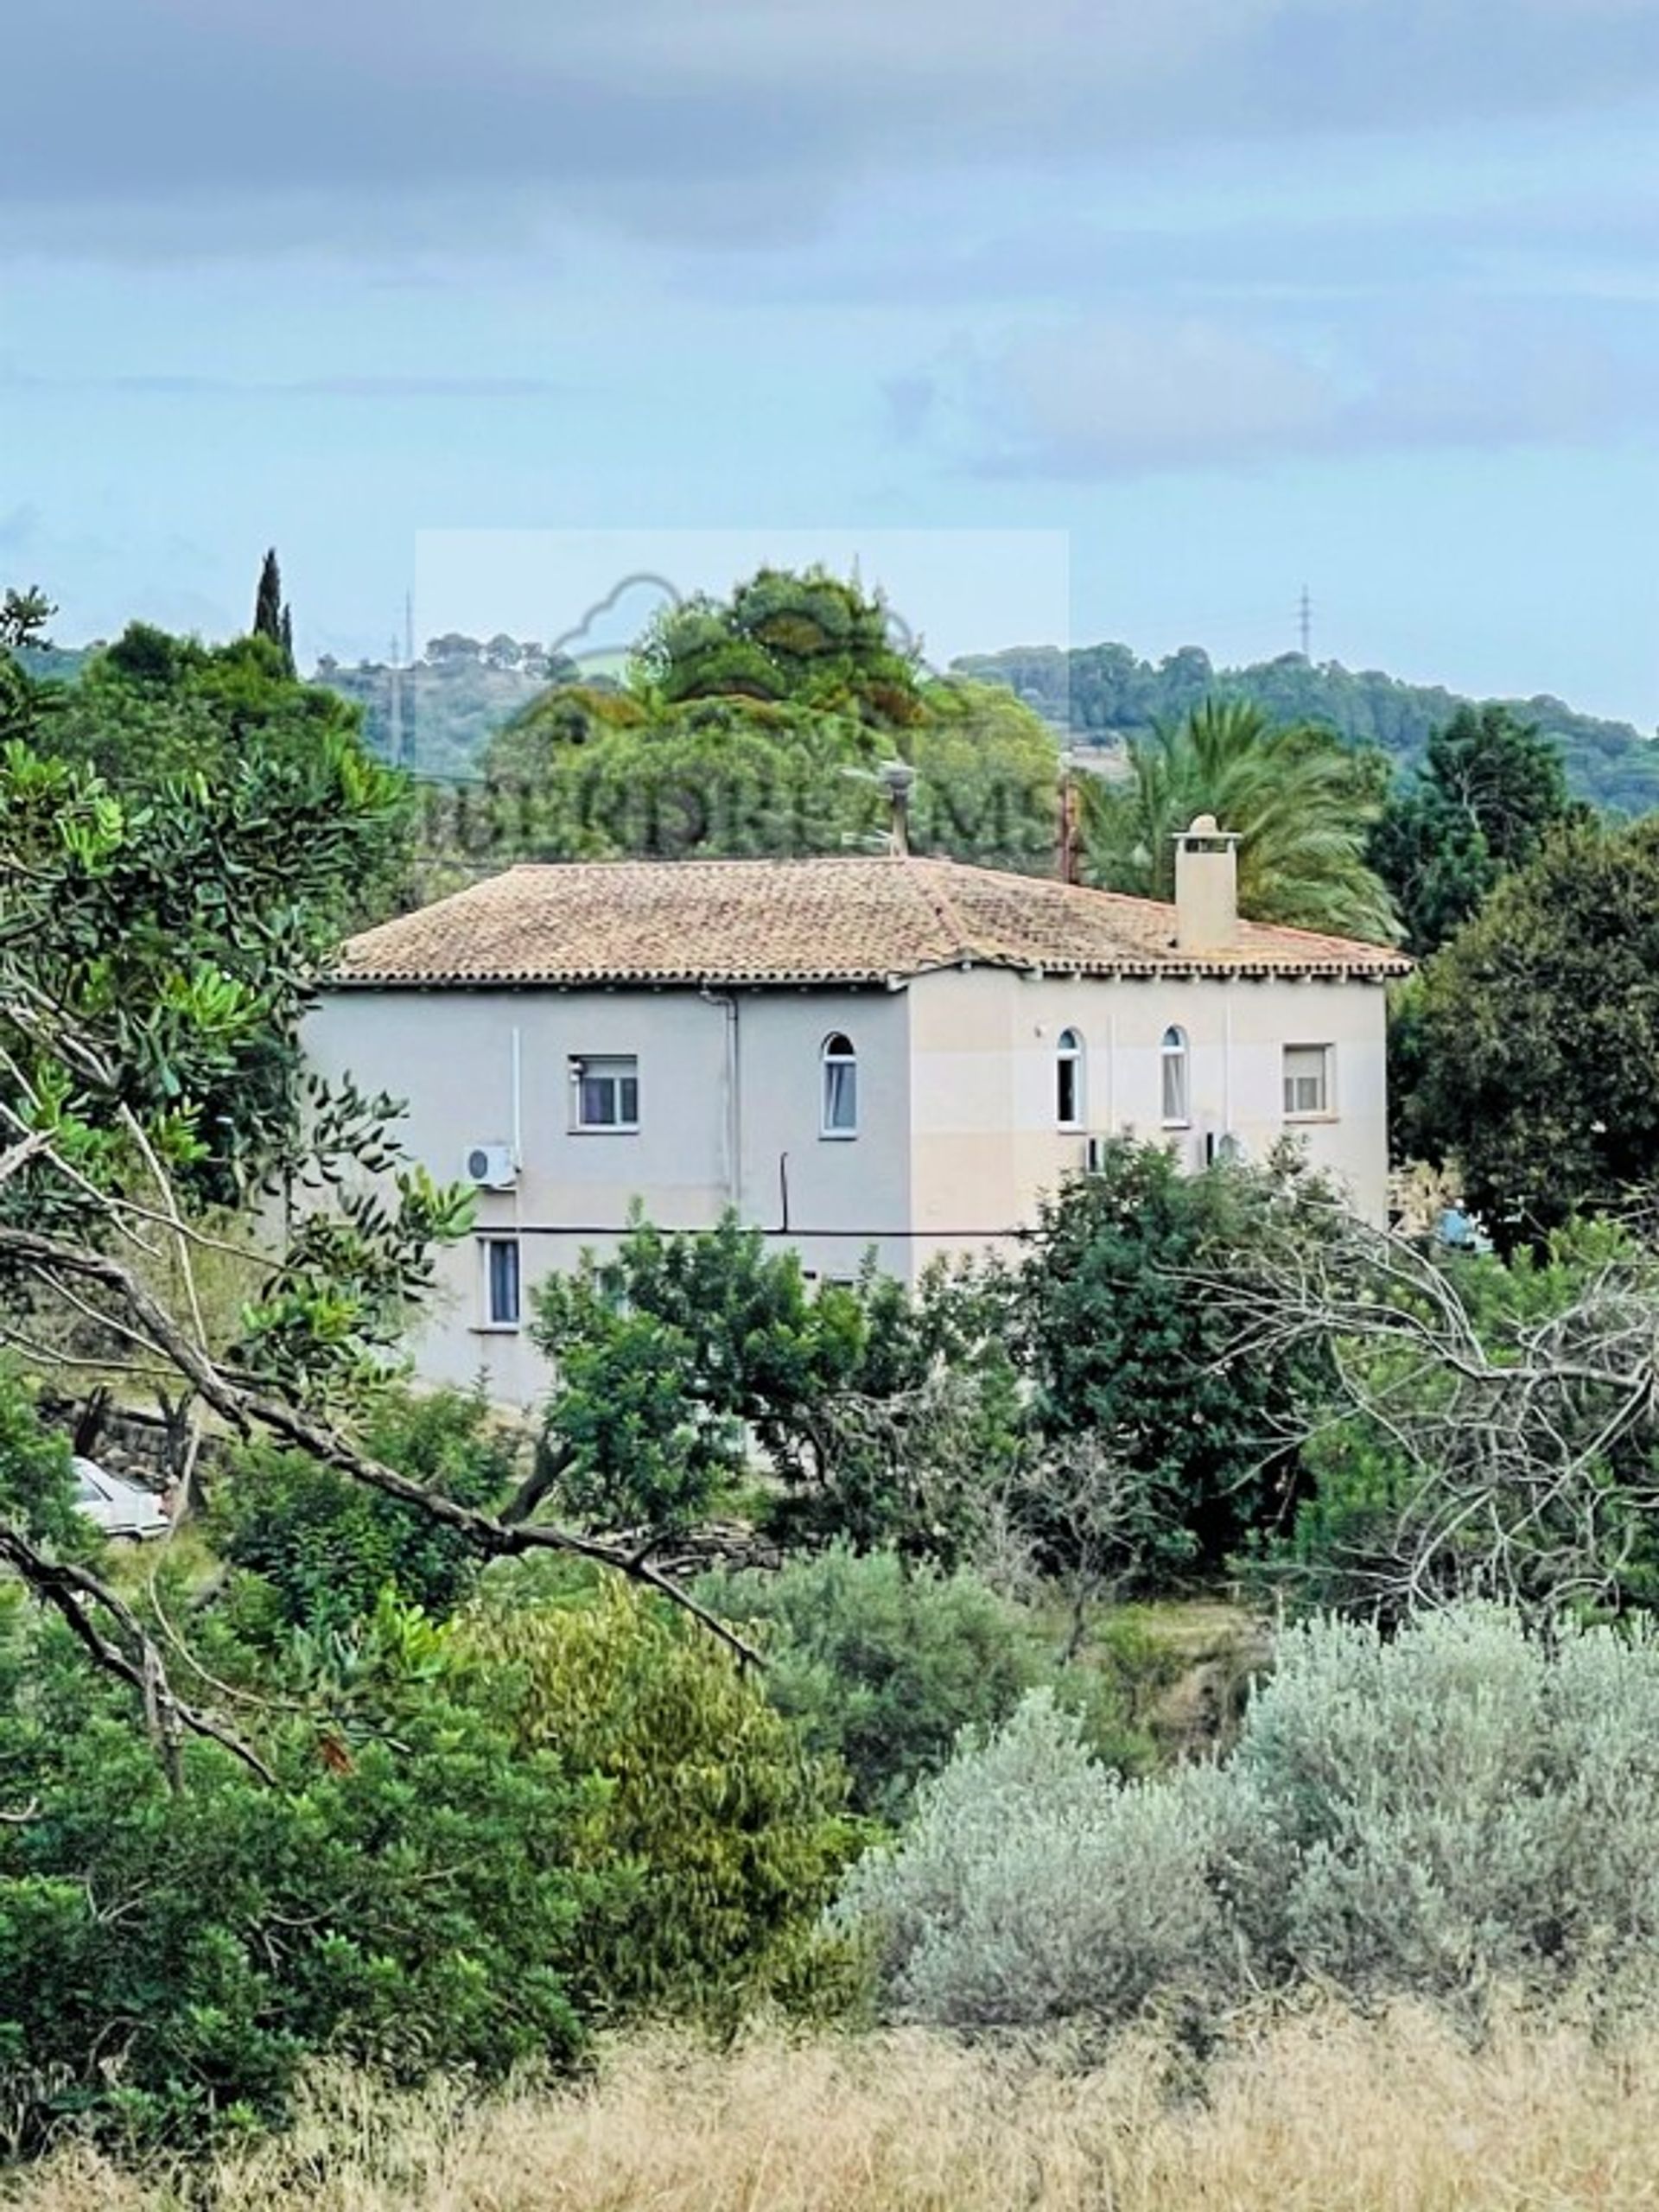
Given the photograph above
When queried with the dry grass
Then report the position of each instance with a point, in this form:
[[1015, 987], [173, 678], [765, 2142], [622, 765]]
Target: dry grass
[[1319, 2113]]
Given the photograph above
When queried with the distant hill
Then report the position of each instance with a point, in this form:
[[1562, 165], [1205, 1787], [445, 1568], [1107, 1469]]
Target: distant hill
[[1103, 694], [55, 664], [462, 690], [437, 716]]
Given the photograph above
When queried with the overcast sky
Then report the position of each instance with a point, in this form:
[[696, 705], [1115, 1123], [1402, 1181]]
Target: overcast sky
[[1234, 294]]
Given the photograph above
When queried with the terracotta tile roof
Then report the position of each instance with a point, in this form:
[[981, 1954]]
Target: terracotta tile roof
[[808, 921]]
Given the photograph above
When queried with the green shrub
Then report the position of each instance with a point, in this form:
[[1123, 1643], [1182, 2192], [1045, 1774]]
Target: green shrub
[[723, 1837], [411, 1899], [1464, 1808], [882, 1666], [1122, 1321], [326, 1546], [680, 1355]]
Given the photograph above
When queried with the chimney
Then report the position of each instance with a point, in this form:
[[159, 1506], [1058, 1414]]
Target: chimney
[[1206, 887], [897, 777], [1066, 856]]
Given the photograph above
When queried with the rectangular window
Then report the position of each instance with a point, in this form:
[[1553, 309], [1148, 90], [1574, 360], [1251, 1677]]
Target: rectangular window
[[501, 1281], [1307, 1081], [606, 1094]]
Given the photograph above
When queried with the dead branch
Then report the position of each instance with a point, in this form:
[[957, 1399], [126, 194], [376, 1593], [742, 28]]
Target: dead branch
[[1523, 1441]]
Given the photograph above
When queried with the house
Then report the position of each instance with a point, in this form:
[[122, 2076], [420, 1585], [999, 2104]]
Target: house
[[896, 1055]]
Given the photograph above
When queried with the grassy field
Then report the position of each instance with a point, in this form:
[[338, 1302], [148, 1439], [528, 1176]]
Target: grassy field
[[1321, 2113]]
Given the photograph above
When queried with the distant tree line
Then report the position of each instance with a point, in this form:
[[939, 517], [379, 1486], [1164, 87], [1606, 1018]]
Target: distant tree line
[[1106, 695]]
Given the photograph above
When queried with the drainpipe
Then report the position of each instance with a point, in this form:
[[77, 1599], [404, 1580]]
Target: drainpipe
[[728, 1004], [1227, 1056]]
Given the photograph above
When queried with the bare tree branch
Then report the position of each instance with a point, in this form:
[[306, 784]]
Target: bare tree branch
[[1522, 1440], [77, 1596], [246, 1409]]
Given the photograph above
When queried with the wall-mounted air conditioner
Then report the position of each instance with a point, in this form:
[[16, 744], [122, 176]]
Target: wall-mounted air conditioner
[[1224, 1148], [491, 1166], [1094, 1154]]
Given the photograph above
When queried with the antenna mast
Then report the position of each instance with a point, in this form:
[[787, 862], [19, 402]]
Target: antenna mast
[[1304, 622], [395, 688]]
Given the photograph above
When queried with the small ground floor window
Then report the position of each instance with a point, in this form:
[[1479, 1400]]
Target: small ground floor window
[[501, 1286]]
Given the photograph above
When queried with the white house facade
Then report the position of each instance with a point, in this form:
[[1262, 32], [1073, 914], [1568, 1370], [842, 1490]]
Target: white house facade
[[893, 1055]]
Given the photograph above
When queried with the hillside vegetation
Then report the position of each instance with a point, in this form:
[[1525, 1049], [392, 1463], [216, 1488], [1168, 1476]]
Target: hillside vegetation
[[1104, 694]]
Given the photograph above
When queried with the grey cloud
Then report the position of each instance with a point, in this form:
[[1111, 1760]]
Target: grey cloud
[[1139, 394], [737, 119], [1507, 242]]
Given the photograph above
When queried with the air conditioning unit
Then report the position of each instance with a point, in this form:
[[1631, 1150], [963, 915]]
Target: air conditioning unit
[[1094, 1154], [1224, 1148], [491, 1166]]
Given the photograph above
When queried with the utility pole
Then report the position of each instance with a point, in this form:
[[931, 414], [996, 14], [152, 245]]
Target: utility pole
[[395, 734], [1305, 623]]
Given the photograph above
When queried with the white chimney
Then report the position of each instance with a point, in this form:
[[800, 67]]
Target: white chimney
[[1206, 887]]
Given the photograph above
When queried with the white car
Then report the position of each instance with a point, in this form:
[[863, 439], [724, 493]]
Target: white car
[[117, 1507]]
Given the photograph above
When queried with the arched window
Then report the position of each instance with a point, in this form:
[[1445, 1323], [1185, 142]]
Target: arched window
[[1177, 1105], [839, 1088], [1068, 1080]]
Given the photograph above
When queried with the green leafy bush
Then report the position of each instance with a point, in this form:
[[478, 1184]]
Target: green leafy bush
[[1465, 1807], [325, 1547], [1121, 1321], [679, 1356], [882, 1665], [723, 1838], [411, 1899]]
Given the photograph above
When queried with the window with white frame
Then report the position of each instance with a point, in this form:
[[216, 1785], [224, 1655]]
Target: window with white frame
[[605, 1093], [1177, 1088], [501, 1287], [1307, 1081], [1068, 1080], [840, 1095]]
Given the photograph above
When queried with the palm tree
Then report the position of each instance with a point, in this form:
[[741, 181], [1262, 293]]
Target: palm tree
[[1301, 801]]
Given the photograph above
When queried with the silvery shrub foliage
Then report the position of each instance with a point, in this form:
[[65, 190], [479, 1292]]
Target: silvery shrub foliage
[[1464, 1808]]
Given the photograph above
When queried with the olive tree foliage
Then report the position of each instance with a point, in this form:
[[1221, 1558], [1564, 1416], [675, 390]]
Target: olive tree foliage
[[157, 948], [1461, 1809]]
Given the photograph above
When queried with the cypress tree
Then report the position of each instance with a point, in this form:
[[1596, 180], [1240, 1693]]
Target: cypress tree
[[268, 606], [272, 618]]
